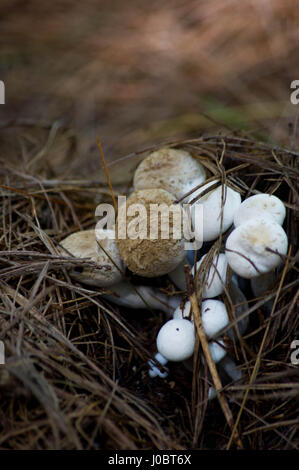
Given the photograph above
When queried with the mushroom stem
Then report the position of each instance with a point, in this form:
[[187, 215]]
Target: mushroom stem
[[230, 367], [154, 371], [142, 297]]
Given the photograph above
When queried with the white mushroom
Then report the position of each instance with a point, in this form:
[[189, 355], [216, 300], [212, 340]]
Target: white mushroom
[[176, 340], [214, 316], [173, 170], [217, 350], [219, 208], [215, 278], [108, 269], [260, 205], [246, 247], [159, 246]]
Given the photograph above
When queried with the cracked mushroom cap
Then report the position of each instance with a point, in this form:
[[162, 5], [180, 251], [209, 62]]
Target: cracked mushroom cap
[[174, 170], [87, 244], [247, 246], [151, 254], [260, 205]]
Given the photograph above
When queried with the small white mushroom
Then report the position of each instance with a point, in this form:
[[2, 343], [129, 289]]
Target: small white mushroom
[[217, 350], [219, 208], [246, 247], [215, 278], [108, 270], [155, 252], [260, 205], [214, 316], [173, 170], [176, 340]]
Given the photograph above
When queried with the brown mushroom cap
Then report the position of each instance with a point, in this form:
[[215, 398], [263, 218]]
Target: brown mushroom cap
[[152, 257], [174, 170], [87, 244]]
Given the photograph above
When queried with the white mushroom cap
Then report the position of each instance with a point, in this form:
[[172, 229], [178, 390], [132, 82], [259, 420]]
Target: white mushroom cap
[[214, 316], [213, 213], [217, 350], [174, 170], [176, 340], [148, 256], [216, 276], [260, 205], [248, 244], [84, 245]]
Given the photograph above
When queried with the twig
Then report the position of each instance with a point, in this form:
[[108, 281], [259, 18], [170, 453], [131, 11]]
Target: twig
[[206, 350]]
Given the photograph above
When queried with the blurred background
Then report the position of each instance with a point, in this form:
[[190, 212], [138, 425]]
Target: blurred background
[[136, 73]]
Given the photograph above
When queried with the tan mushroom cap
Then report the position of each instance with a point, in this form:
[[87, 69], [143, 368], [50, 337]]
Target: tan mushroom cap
[[148, 256], [85, 244], [174, 170]]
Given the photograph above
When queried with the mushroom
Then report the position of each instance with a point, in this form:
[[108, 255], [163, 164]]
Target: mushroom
[[260, 205], [176, 340], [219, 208], [254, 247], [214, 279], [159, 246], [217, 350], [173, 170], [214, 316], [106, 270], [154, 371]]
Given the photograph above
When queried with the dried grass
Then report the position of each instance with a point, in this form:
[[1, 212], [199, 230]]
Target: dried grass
[[76, 372]]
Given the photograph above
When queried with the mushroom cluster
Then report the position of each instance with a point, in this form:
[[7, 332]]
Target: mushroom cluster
[[254, 244]]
